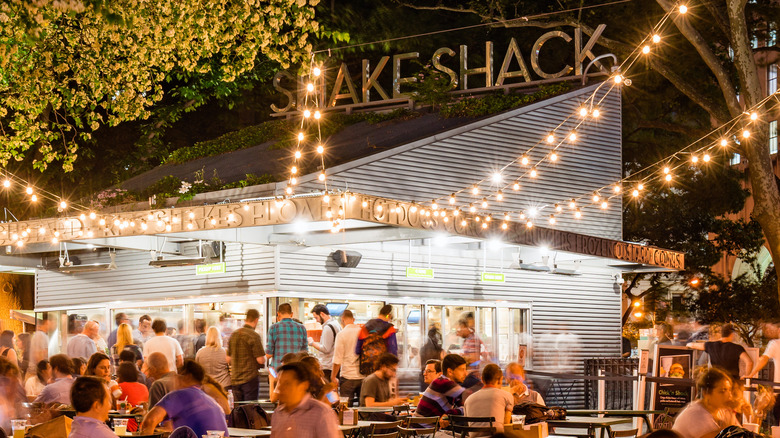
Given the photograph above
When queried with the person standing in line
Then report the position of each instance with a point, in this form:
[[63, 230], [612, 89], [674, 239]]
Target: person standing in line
[[39, 343], [200, 334], [286, 336], [376, 337], [120, 319], [161, 343], [346, 364], [298, 414], [330, 328], [245, 354], [82, 344], [725, 353], [213, 359], [144, 330], [100, 344]]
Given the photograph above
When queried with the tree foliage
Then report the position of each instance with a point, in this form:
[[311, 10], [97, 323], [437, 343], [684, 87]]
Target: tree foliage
[[68, 68]]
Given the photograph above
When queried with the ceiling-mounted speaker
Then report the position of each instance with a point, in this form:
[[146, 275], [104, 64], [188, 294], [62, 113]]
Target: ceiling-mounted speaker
[[346, 259]]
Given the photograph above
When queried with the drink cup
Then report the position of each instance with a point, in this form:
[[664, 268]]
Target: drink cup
[[120, 426], [215, 433], [753, 427], [518, 420], [18, 427]]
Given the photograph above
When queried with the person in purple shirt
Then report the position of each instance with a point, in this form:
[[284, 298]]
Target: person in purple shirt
[[92, 403], [188, 405], [59, 390]]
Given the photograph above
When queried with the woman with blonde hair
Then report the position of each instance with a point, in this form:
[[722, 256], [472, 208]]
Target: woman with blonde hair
[[213, 358], [124, 341]]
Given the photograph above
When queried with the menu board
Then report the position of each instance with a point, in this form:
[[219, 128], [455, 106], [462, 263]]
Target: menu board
[[673, 362]]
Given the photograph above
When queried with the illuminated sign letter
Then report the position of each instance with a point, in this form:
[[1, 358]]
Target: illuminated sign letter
[[436, 60], [341, 77], [287, 93], [538, 48], [504, 73], [487, 70], [582, 53], [397, 79], [372, 79]]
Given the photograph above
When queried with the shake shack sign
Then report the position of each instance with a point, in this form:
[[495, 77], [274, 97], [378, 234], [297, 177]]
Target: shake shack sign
[[389, 77]]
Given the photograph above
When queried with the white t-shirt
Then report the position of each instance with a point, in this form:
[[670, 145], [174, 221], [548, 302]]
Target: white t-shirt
[[696, 422], [166, 345], [489, 402], [344, 352], [33, 386], [773, 352]]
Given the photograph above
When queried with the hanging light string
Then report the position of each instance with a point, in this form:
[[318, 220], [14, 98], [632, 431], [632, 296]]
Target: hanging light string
[[35, 194], [590, 107]]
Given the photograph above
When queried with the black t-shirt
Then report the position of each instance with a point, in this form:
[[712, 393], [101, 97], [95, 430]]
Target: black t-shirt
[[725, 355]]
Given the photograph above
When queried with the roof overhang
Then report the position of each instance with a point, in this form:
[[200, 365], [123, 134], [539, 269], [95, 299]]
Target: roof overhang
[[361, 218]]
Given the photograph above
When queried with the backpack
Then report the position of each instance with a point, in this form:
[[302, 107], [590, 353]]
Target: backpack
[[373, 346], [250, 416], [536, 413]]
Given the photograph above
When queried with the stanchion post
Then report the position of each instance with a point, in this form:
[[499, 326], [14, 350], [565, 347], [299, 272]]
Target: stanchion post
[[640, 400], [602, 405]]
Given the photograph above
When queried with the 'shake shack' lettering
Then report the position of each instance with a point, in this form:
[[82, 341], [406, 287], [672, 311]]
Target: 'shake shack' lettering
[[344, 91]]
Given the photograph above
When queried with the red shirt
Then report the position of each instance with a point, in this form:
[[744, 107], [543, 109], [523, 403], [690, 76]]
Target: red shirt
[[136, 393]]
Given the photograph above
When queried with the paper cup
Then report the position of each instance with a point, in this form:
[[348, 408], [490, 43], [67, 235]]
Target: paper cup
[[753, 427]]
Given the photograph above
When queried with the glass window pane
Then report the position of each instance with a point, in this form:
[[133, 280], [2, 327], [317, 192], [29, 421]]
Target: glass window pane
[[773, 137], [485, 324]]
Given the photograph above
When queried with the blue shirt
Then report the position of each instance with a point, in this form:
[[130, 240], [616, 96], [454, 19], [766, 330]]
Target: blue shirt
[[111, 341], [57, 391], [86, 427], [81, 346], [191, 407]]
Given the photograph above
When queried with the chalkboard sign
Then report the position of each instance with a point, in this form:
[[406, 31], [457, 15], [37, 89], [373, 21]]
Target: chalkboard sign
[[672, 362]]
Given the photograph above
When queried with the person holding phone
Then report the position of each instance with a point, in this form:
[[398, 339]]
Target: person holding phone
[[375, 391]]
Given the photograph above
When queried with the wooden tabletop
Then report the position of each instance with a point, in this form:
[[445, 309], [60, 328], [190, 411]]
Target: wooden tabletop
[[238, 432], [572, 421]]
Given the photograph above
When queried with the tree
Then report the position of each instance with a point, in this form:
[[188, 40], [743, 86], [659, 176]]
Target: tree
[[697, 62], [67, 68]]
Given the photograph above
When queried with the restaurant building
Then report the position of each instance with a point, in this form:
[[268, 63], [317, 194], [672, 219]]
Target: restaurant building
[[550, 292]]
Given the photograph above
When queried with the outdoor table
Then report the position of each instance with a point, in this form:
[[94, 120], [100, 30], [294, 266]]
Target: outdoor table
[[238, 432], [589, 423], [644, 414]]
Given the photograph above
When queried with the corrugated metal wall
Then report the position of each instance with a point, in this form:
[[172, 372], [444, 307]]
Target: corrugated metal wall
[[436, 167]]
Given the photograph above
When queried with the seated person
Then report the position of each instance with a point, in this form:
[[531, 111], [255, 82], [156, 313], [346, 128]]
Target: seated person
[[707, 416], [134, 392], [188, 405], [156, 368], [491, 401], [375, 390], [35, 384], [432, 371], [444, 395], [213, 389], [515, 375], [129, 356], [58, 391], [92, 402]]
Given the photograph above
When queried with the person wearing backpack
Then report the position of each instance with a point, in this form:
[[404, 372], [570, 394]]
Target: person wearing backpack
[[376, 338], [330, 327]]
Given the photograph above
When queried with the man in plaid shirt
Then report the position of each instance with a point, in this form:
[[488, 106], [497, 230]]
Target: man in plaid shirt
[[286, 336]]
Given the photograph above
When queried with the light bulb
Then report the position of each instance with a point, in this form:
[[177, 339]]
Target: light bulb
[[668, 177], [533, 173], [507, 217], [190, 225], [29, 190], [168, 227], [472, 209], [321, 177], [746, 134], [524, 160], [683, 9], [666, 170], [329, 214], [463, 223], [496, 177], [572, 204], [83, 216], [102, 222], [6, 183], [306, 114], [504, 226], [213, 221], [522, 216], [577, 214], [297, 154], [724, 142], [618, 79], [294, 170], [41, 230], [309, 87], [572, 136], [706, 158], [326, 199], [552, 220], [516, 186], [484, 203], [532, 212], [596, 197], [646, 50], [604, 205], [635, 193], [456, 213], [92, 215], [90, 234], [583, 112], [246, 207], [317, 72], [364, 204], [474, 190], [300, 136], [434, 205], [640, 186], [192, 215], [656, 38], [616, 189], [452, 198], [754, 116], [63, 205], [317, 115], [596, 113], [488, 218], [161, 223], [553, 157], [484, 225], [413, 208], [558, 208], [694, 159], [500, 196], [288, 190], [144, 226], [320, 149], [34, 198], [529, 224]]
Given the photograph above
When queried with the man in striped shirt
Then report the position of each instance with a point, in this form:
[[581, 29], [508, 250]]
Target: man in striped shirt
[[444, 395]]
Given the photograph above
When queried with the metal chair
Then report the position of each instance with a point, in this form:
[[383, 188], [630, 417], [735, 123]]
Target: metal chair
[[183, 432], [462, 424], [401, 410], [385, 430], [419, 427], [627, 433]]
